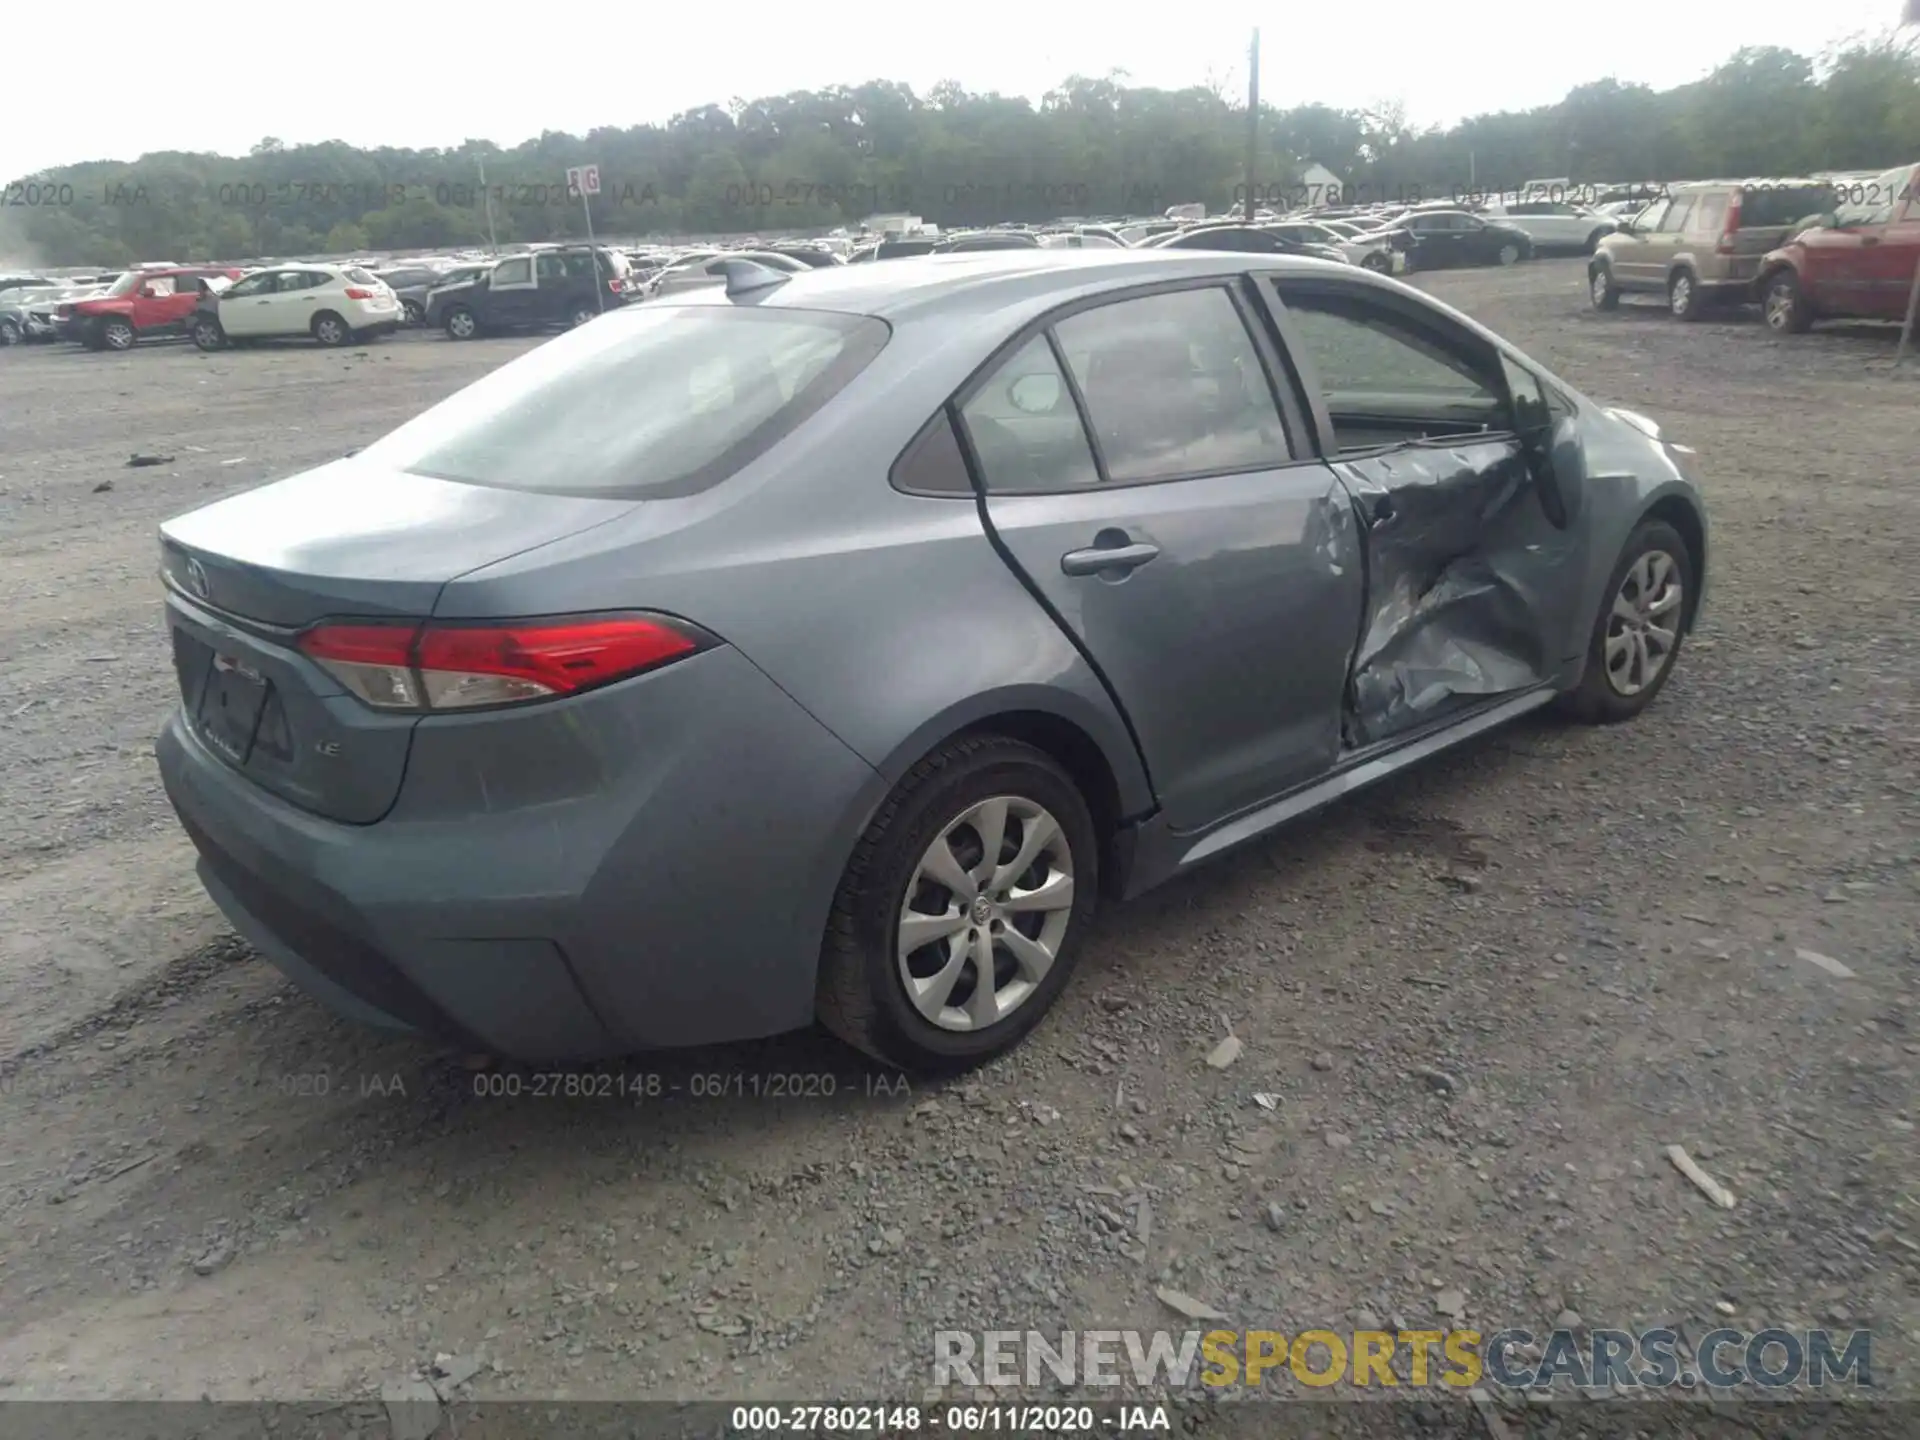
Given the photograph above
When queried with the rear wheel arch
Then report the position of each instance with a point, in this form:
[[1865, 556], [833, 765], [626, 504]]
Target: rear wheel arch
[[1115, 788]]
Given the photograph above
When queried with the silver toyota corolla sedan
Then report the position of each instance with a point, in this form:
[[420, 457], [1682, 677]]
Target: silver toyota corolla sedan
[[822, 645]]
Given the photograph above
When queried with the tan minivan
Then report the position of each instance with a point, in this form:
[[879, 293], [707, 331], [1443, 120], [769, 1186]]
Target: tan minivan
[[1701, 244]]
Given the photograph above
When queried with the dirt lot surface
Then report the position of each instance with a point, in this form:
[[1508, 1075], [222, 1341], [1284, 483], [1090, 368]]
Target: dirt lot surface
[[1480, 1001]]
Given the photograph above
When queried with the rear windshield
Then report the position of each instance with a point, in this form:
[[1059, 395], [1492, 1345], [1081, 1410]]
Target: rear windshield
[[1764, 205], [648, 402]]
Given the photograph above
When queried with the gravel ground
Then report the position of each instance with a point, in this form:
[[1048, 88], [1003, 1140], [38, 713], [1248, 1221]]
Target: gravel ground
[[1480, 1001]]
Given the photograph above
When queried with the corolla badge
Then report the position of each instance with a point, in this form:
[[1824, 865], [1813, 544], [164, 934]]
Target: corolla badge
[[197, 579]]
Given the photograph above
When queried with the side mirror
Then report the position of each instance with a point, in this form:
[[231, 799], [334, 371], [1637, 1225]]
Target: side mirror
[[1035, 394], [1533, 423]]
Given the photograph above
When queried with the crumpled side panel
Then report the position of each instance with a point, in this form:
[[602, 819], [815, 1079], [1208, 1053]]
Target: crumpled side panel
[[1446, 622]]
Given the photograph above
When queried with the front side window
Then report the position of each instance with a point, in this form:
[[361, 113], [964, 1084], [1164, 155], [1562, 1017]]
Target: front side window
[[1385, 379], [549, 269], [252, 285], [1174, 387], [647, 403], [513, 272]]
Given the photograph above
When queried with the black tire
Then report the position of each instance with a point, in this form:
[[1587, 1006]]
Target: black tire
[[9, 331], [1784, 305], [117, 335], [461, 324], [580, 315], [331, 330], [1601, 290], [860, 996], [414, 311], [1597, 700], [1376, 262], [1685, 301], [207, 334]]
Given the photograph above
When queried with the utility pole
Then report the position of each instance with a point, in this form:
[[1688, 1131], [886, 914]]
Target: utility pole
[[493, 245], [1253, 128]]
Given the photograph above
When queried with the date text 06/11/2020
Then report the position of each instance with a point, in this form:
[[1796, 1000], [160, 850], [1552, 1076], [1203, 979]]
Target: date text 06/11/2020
[[641, 1085]]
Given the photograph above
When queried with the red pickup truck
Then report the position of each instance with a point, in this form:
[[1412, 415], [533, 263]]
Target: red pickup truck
[[142, 303], [1858, 262]]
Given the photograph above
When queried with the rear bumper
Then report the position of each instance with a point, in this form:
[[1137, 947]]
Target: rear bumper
[[646, 866]]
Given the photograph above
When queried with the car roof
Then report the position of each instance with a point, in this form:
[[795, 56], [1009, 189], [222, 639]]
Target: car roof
[[970, 283]]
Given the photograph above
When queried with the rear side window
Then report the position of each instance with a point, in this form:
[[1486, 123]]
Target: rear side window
[[1025, 429], [650, 402], [1709, 215], [362, 277], [1173, 387], [1762, 206]]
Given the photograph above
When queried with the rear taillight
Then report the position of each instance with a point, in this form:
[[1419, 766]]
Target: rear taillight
[[614, 286], [432, 666], [1726, 244], [355, 292]]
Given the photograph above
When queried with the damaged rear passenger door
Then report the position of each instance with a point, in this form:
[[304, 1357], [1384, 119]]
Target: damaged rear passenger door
[[1469, 510]]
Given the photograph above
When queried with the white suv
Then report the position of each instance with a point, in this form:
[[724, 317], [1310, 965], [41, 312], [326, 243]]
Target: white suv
[[335, 304], [1555, 224]]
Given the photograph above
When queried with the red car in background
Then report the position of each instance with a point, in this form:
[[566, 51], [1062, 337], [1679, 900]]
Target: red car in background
[[142, 304], [1857, 263]]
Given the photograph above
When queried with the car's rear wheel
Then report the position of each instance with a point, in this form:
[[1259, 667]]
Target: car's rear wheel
[[962, 909], [415, 312], [1785, 306], [581, 315], [1377, 263], [329, 329], [1642, 622], [1601, 289], [117, 335], [9, 331], [1684, 300], [207, 334], [461, 324]]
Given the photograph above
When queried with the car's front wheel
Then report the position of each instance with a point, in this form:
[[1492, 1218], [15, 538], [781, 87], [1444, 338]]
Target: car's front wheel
[[1785, 306], [415, 312], [961, 911], [207, 334], [117, 335], [1637, 635], [1510, 253], [461, 324], [1601, 289]]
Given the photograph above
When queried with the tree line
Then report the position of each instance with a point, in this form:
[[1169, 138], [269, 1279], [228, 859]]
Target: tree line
[[811, 160]]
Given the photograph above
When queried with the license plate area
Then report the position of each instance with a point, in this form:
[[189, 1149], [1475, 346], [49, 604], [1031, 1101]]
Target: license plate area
[[231, 703]]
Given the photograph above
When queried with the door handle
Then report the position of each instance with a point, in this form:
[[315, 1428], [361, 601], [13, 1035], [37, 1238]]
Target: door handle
[[1099, 559]]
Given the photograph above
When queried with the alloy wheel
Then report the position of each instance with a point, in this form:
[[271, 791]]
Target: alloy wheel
[[1509, 254], [1600, 286], [985, 913], [460, 325], [1680, 298], [118, 336], [1779, 307], [1644, 626]]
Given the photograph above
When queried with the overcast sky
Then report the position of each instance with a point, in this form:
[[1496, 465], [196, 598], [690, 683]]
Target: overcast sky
[[457, 71]]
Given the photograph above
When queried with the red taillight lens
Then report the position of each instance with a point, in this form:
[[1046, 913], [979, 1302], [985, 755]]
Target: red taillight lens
[[355, 292], [1725, 245], [614, 286], [456, 667]]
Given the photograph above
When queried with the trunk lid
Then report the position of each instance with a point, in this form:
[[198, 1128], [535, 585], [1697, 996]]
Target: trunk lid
[[245, 575]]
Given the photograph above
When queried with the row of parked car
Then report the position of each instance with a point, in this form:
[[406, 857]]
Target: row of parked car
[[1803, 250]]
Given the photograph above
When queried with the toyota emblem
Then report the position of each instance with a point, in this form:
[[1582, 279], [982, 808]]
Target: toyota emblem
[[197, 579]]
